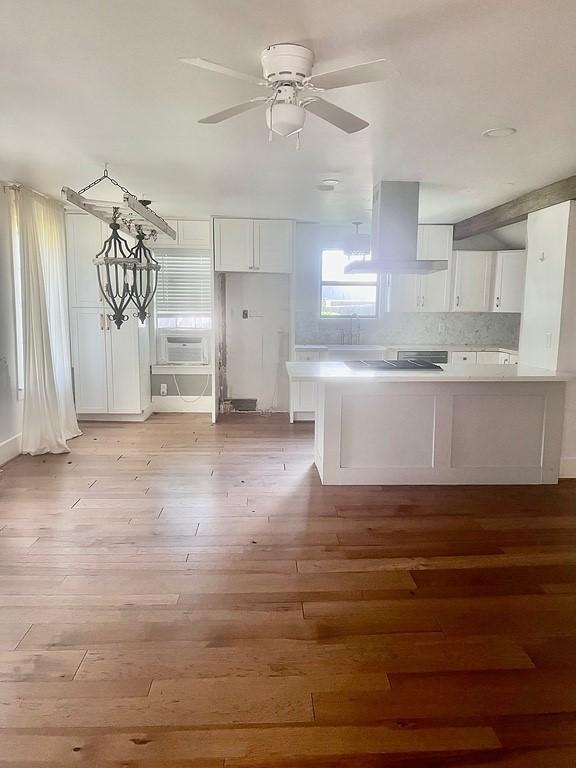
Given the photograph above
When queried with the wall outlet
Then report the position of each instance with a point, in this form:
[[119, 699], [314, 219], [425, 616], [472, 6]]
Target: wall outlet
[[163, 390]]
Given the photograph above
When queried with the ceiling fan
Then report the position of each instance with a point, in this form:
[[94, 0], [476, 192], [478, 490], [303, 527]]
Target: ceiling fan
[[287, 73]]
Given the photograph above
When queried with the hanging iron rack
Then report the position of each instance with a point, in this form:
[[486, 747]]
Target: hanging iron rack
[[133, 213]]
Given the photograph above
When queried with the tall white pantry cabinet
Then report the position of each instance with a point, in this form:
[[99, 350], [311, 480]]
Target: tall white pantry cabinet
[[111, 366]]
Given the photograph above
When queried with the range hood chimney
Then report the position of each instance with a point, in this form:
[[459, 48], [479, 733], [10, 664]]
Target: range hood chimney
[[395, 233]]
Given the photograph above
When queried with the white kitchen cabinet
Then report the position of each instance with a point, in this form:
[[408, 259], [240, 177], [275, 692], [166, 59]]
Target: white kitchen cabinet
[[190, 233], [107, 363], [425, 293], [472, 281], [463, 357], [509, 279], [273, 245], [403, 293], [233, 245], [303, 393], [88, 343], [259, 245], [84, 238], [194, 234]]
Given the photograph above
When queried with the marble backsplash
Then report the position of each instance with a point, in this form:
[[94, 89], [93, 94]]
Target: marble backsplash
[[496, 329]]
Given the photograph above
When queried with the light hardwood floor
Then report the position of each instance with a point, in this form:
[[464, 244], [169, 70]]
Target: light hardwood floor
[[175, 594]]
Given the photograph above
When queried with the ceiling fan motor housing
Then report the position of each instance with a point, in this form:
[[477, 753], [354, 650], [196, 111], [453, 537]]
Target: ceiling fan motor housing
[[287, 62]]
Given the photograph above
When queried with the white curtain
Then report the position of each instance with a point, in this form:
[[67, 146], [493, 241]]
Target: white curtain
[[49, 414]]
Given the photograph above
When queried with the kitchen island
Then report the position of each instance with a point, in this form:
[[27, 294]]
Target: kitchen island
[[463, 424]]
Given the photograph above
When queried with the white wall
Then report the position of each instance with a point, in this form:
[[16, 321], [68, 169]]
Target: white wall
[[257, 347], [544, 293], [548, 331], [10, 407]]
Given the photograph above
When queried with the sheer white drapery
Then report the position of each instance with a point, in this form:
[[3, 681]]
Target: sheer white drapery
[[49, 414]]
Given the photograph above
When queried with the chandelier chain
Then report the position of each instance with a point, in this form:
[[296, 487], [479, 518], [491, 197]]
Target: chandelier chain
[[106, 175]]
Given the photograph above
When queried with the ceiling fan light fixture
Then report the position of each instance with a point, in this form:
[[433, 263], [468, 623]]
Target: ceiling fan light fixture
[[285, 119]]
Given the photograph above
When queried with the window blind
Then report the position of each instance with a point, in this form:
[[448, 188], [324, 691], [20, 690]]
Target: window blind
[[184, 283]]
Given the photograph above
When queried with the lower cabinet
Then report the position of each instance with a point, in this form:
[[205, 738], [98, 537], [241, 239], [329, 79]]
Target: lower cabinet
[[303, 397], [111, 366]]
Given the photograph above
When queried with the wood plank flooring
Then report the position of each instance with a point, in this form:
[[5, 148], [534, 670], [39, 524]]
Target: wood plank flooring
[[175, 594]]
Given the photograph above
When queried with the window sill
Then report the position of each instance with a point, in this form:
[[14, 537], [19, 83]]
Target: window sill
[[188, 370]]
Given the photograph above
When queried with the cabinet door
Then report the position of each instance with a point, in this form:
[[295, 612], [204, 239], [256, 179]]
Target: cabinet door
[[509, 282], [435, 241], [403, 293], [88, 342], [194, 234], [307, 396], [472, 281], [84, 238], [123, 369], [273, 245], [233, 245], [434, 292]]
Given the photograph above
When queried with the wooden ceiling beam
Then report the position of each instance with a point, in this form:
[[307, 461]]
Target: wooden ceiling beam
[[516, 210]]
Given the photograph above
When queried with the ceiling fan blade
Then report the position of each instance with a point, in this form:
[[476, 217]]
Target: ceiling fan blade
[[339, 117], [212, 66], [370, 72], [218, 117]]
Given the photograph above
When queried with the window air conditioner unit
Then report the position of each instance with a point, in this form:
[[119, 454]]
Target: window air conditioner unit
[[184, 349]]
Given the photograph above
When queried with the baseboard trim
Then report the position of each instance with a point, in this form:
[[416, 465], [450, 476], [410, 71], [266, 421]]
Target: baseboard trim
[[143, 416], [10, 448], [174, 404], [568, 466]]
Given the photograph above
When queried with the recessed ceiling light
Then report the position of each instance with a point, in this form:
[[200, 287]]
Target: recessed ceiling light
[[330, 182], [499, 133]]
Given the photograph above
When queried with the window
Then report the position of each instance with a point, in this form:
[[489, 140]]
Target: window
[[184, 293], [346, 295]]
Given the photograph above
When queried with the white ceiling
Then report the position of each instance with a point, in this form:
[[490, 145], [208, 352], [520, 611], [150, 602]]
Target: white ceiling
[[84, 82]]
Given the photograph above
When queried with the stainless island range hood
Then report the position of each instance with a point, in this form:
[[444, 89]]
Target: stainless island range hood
[[395, 233]]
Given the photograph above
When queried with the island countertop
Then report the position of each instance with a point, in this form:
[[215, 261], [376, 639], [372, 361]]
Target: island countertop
[[335, 372]]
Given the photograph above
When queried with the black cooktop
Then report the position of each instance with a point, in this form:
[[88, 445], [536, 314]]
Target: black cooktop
[[399, 365]]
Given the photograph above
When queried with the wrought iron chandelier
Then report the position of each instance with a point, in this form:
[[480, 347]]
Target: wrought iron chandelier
[[115, 267], [145, 275], [125, 275]]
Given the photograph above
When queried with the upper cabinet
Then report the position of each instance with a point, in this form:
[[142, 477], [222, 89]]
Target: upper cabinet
[[259, 245], [85, 236], [233, 245], [472, 281], [509, 279], [190, 233], [425, 293]]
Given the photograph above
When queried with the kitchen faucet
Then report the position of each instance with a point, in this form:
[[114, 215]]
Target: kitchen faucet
[[353, 336]]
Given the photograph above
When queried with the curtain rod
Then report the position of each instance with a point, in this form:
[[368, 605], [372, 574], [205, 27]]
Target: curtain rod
[[16, 186]]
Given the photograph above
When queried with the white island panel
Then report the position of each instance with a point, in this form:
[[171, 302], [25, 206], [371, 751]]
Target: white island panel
[[486, 424], [401, 428]]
